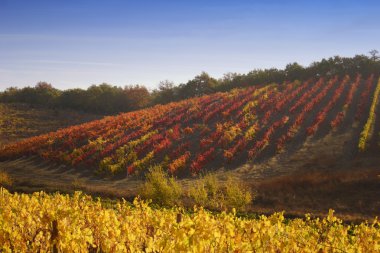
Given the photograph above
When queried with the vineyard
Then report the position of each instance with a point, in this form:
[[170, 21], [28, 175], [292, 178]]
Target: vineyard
[[60, 223], [214, 131]]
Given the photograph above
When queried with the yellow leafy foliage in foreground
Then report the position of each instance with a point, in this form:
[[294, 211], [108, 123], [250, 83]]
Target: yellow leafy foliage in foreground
[[63, 223]]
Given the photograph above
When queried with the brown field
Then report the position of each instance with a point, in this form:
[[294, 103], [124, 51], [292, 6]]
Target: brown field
[[19, 121]]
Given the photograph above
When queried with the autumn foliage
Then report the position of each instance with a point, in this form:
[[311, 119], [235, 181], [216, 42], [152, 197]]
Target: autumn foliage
[[212, 131]]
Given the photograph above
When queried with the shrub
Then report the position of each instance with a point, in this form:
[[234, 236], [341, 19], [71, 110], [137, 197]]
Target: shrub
[[214, 194], [78, 184], [160, 188], [236, 195], [205, 193], [5, 179]]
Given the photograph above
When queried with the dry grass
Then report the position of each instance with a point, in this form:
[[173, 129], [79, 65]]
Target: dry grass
[[323, 179], [352, 193], [18, 121]]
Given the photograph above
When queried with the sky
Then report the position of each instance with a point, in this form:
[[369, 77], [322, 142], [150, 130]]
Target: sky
[[77, 43]]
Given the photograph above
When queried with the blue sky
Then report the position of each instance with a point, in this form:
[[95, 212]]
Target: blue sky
[[76, 43]]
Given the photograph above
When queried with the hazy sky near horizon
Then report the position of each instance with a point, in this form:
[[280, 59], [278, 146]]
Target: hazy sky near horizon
[[76, 43]]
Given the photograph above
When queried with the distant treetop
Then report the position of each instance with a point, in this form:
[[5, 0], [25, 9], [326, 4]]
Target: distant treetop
[[108, 99]]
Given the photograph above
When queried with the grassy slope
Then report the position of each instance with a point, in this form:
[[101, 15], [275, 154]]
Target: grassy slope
[[19, 121]]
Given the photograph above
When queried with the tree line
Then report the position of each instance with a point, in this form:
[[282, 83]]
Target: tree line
[[109, 99]]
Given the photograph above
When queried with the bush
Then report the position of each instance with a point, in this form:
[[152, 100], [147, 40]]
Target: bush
[[211, 193], [5, 179], [160, 188], [236, 195], [78, 184], [206, 192]]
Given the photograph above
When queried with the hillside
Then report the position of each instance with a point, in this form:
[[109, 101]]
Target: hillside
[[301, 147], [220, 130], [20, 121]]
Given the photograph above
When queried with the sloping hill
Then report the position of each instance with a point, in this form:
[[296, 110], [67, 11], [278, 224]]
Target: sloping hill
[[19, 121], [300, 147], [222, 130]]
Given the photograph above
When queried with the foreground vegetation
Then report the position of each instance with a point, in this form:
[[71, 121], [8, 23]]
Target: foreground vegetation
[[207, 191], [78, 223]]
